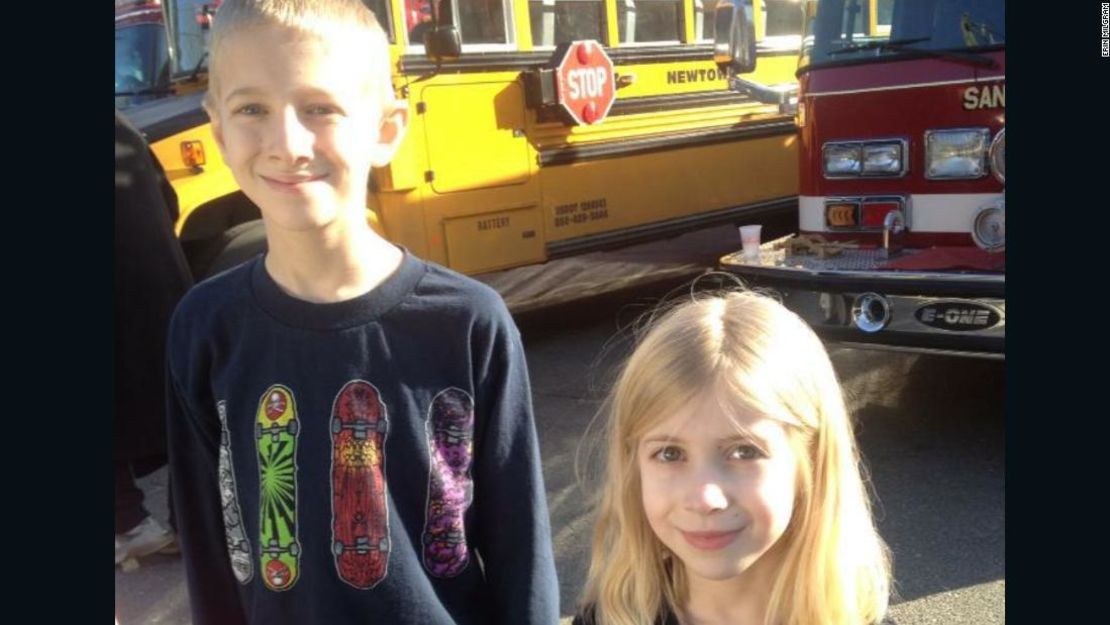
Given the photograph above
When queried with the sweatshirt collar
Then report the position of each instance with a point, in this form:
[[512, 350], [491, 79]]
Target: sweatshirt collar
[[335, 315]]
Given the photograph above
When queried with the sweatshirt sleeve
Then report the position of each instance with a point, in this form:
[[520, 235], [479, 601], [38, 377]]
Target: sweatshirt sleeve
[[514, 533], [193, 439]]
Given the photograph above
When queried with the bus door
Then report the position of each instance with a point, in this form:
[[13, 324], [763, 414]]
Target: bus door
[[472, 197]]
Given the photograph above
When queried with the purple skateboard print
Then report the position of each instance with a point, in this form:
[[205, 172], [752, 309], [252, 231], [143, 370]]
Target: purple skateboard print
[[450, 432]]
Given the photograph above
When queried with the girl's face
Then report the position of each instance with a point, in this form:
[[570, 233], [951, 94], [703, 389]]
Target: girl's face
[[719, 498]]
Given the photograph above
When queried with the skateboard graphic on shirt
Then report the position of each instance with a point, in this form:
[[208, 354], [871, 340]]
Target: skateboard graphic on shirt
[[238, 547], [360, 520], [275, 429], [450, 432]]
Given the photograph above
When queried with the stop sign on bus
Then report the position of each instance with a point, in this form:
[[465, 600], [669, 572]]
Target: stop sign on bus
[[585, 82]]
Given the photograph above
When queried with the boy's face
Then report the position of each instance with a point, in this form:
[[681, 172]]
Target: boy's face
[[300, 124]]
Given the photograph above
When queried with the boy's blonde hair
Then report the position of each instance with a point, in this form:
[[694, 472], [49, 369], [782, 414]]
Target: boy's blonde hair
[[835, 568], [322, 19]]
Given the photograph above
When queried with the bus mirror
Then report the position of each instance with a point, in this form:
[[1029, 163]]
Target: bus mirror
[[443, 43], [734, 36]]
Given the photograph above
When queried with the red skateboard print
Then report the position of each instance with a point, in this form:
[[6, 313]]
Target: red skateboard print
[[360, 528], [450, 431]]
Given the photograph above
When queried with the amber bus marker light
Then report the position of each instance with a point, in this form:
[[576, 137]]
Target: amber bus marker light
[[192, 153]]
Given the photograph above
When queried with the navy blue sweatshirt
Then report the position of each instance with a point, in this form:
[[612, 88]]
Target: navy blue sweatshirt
[[368, 461]]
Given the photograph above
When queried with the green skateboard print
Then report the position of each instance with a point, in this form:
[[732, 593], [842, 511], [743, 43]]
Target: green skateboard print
[[276, 429]]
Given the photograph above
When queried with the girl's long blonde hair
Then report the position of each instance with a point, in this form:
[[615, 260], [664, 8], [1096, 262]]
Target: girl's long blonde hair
[[835, 568]]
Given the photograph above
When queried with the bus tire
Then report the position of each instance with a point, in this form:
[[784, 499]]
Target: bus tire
[[244, 242]]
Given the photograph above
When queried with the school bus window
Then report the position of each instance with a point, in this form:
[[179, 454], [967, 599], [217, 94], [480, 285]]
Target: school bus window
[[884, 14], [381, 11], [703, 18], [418, 20], [561, 21], [649, 21], [483, 22], [781, 17], [782, 24]]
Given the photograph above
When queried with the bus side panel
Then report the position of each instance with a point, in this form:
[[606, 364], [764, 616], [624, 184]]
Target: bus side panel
[[402, 219], [602, 195], [480, 193], [493, 241]]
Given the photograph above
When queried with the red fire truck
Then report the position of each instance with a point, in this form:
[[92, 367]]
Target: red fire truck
[[901, 242]]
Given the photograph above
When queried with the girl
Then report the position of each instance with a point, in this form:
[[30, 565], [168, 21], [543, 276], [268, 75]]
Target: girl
[[732, 491]]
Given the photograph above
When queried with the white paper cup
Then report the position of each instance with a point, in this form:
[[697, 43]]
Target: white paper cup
[[749, 237]]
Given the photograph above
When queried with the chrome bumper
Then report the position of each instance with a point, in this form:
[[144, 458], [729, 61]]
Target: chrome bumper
[[847, 299]]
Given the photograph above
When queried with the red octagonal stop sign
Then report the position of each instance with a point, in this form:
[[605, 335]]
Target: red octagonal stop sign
[[585, 85]]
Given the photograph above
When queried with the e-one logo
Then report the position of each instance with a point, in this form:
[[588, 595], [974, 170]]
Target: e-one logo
[[954, 317], [958, 316]]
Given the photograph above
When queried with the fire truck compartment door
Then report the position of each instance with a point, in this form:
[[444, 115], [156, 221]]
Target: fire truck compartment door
[[475, 137]]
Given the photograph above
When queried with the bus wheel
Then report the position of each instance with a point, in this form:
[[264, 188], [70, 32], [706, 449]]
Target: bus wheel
[[244, 242]]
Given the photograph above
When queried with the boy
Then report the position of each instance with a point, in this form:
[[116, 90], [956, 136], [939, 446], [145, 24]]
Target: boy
[[351, 431]]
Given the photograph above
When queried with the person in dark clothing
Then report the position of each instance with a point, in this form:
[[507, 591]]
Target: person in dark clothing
[[151, 275], [350, 427]]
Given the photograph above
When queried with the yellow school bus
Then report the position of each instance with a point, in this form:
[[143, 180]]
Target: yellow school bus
[[490, 176]]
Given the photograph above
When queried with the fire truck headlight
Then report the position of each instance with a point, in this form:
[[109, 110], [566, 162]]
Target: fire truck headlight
[[956, 153], [884, 159], [998, 156], [842, 159]]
